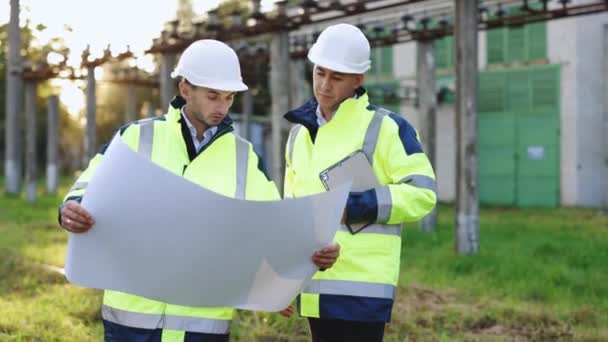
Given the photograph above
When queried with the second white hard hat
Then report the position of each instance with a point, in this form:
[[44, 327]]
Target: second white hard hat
[[342, 48], [211, 64]]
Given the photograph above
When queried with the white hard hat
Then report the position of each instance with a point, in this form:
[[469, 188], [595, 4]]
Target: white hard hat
[[341, 48], [211, 64]]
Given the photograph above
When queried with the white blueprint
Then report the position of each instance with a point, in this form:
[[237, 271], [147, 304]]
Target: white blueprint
[[159, 236]]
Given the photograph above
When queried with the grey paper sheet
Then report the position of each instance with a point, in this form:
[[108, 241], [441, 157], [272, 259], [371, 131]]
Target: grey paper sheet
[[162, 237]]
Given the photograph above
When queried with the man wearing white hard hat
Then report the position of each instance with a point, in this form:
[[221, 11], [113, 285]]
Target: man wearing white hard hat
[[194, 140], [353, 300]]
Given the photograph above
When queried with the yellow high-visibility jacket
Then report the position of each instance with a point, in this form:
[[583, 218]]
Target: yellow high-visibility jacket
[[226, 165], [361, 285]]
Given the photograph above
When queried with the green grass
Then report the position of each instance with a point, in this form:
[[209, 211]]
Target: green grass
[[538, 276], [37, 304]]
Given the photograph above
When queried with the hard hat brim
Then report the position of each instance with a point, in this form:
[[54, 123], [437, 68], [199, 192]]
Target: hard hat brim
[[216, 85], [227, 86], [336, 66]]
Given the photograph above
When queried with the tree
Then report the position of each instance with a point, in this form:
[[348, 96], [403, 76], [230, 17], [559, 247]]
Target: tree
[[68, 125]]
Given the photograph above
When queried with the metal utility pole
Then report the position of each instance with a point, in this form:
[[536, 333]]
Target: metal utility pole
[[378, 56], [12, 163], [247, 112], [52, 145], [467, 197], [90, 136], [167, 87], [428, 114], [279, 78], [30, 144], [605, 78], [300, 87]]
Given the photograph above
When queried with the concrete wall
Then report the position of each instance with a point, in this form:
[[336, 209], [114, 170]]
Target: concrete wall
[[446, 154], [561, 49], [577, 45], [404, 60], [591, 166]]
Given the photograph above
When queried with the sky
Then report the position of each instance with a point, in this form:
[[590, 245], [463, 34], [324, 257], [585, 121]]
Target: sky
[[99, 23]]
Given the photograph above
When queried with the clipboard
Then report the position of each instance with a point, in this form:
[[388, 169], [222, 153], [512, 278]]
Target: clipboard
[[356, 169], [353, 168]]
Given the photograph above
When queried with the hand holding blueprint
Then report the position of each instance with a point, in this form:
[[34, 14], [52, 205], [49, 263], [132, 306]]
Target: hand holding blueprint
[[159, 236]]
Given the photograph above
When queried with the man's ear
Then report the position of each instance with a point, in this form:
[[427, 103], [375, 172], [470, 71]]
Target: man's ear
[[359, 78], [184, 89]]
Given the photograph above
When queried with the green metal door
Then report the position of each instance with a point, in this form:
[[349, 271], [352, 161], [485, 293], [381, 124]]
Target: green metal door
[[496, 141], [519, 137], [539, 137]]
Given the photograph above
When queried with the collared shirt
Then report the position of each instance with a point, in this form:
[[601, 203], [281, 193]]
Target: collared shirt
[[320, 118], [207, 135]]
